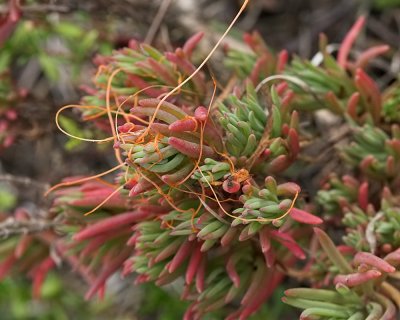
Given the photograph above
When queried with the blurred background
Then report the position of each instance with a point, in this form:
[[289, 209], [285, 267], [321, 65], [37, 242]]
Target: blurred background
[[46, 53]]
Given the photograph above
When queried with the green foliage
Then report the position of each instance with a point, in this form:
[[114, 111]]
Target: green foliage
[[31, 40], [57, 301], [160, 304], [244, 121], [8, 199], [386, 4]]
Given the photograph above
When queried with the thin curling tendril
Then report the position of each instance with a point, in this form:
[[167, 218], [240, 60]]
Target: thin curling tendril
[[113, 129], [136, 94], [72, 106], [295, 80], [202, 126], [146, 131], [76, 106], [255, 219], [78, 181], [165, 196], [104, 201], [244, 5]]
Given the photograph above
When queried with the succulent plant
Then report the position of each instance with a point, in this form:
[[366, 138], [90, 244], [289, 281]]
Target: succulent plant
[[208, 193]]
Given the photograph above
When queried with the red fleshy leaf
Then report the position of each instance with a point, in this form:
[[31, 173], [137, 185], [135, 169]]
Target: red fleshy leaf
[[304, 217], [115, 222], [348, 41], [373, 261], [355, 279]]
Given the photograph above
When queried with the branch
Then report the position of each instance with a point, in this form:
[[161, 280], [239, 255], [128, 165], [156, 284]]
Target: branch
[[38, 8], [11, 226], [24, 181]]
